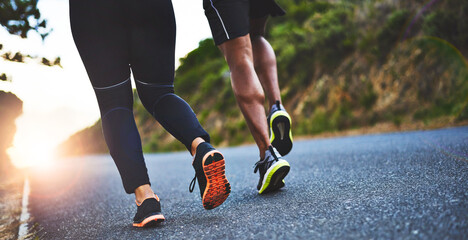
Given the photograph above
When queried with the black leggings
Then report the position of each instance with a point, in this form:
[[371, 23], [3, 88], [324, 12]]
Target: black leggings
[[112, 37]]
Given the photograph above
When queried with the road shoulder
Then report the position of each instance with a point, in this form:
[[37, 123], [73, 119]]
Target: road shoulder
[[11, 189]]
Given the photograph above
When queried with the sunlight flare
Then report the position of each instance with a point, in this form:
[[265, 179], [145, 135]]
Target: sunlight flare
[[32, 154]]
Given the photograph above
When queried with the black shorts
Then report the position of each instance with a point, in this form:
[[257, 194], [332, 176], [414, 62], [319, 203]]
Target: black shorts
[[229, 19]]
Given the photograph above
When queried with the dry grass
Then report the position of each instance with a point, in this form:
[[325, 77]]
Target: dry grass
[[10, 206]]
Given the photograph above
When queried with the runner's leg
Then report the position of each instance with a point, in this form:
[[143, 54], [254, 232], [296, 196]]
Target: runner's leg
[[264, 60], [247, 88], [152, 62], [100, 31]]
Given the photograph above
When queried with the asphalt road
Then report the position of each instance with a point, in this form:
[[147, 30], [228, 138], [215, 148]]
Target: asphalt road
[[410, 185]]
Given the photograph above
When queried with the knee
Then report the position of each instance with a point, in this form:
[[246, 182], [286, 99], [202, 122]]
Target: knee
[[150, 95], [114, 97], [238, 53], [256, 35]]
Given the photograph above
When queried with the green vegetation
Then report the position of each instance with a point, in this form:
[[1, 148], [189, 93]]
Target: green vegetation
[[341, 65], [19, 17], [387, 37]]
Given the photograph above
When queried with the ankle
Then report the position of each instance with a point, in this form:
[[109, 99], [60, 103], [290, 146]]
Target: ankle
[[276, 104], [272, 103], [263, 153], [143, 192], [195, 144], [263, 149]]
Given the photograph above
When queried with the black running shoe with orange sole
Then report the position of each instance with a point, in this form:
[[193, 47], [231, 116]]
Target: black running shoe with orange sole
[[148, 213], [209, 168]]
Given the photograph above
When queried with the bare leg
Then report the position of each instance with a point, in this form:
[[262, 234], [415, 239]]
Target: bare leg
[[143, 192], [247, 88], [195, 144], [264, 60]]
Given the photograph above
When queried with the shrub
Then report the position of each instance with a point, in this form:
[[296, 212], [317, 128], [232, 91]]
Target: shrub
[[369, 97], [388, 36]]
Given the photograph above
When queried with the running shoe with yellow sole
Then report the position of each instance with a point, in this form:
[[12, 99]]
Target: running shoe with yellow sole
[[210, 172], [272, 170], [279, 123], [148, 213]]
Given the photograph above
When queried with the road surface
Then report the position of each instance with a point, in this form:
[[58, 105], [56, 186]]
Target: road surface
[[400, 185]]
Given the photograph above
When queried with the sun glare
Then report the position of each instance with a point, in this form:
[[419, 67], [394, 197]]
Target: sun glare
[[38, 155]]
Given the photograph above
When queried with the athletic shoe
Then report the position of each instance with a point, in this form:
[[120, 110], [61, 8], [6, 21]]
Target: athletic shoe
[[279, 122], [148, 213], [209, 170], [282, 184], [272, 171]]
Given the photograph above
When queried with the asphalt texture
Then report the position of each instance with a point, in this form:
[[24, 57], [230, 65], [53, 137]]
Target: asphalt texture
[[411, 185]]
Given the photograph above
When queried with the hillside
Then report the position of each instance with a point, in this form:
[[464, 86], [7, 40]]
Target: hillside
[[11, 107], [342, 65]]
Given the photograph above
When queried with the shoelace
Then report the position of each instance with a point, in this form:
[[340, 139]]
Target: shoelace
[[257, 164], [192, 183], [270, 153]]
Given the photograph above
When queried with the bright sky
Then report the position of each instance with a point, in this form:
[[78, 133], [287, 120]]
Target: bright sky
[[58, 102]]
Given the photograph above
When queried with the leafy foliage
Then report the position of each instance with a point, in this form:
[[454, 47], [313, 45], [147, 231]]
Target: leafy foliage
[[448, 22], [388, 36], [21, 16]]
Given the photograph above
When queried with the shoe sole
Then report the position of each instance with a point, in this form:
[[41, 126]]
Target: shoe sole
[[282, 184], [274, 176], [280, 132], [150, 221], [217, 186]]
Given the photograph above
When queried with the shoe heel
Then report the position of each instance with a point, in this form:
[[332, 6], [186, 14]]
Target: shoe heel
[[281, 137], [281, 127]]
